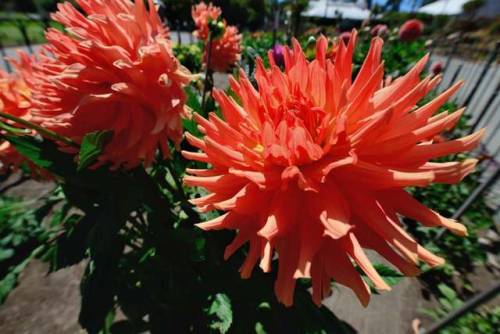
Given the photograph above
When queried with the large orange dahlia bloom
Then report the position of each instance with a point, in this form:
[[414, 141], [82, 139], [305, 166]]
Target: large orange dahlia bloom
[[113, 70], [312, 166], [202, 14], [15, 99]]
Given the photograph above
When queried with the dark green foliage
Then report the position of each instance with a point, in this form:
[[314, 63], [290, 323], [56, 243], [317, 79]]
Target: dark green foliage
[[221, 311], [472, 6], [145, 257], [22, 235], [190, 56]]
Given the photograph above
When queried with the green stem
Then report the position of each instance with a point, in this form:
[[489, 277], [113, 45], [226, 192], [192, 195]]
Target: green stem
[[179, 192], [42, 131], [208, 84]]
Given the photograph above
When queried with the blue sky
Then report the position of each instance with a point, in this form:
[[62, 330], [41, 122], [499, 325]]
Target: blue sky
[[406, 5]]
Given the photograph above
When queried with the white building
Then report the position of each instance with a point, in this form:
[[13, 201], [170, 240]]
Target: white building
[[355, 10]]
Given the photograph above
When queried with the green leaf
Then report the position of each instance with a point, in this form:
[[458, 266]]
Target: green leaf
[[390, 276], [447, 292], [43, 153], [32, 149], [6, 254], [220, 309], [71, 246], [193, 102], [93, 145], [259, 328], [98, 287]]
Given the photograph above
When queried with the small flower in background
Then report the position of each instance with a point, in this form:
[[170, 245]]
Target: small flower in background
[[411, 30], [345, 37], [202, 15], [437, 67], [278, 55], [379, 30], [312, 167], [115, 71]]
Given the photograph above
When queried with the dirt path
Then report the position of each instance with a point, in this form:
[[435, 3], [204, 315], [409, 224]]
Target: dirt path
[[43, 304]]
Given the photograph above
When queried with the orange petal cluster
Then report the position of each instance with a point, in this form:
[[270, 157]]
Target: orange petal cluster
[[226, 51], [202, 14], [114, 70], [14, 100], [311, 168]]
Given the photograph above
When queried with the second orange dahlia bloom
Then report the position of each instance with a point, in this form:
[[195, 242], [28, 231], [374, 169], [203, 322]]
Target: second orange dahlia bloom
[[311, 167], [226, 51], [202, 14], [114, 70], [15, 99]]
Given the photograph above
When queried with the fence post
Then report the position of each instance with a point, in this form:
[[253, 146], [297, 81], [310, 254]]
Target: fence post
[[45, 20], [492, 179], [22, 27], [471, 304], [455, 75], [276, 21], [484, 71], [485, 110], [4, 55], [476, 193], [448, 60], [179, 37]]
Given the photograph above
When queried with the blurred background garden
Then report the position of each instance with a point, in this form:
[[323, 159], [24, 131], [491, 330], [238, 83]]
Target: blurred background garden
[[462, 38]]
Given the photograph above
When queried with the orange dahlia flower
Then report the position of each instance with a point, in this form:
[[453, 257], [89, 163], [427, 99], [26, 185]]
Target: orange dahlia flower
[[14, 100], [114, 70], [202, 14], [226, 51], [311, 167]]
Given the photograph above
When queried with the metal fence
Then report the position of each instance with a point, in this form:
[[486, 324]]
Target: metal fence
[[479, 68]]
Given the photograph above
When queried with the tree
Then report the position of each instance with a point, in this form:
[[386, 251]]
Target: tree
[[243, 13], [470, 8], [392, 5]]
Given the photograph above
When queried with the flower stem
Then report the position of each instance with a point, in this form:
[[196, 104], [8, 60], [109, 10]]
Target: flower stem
[[42, 131], [208, 84]]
